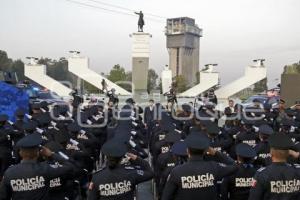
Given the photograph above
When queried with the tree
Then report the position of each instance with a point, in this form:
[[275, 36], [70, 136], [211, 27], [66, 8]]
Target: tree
[[8, 65], [117, 73], [152, 78], [18, 67], [292, 69], [181, 83], [260, 86], [128, 76], [159, 86]]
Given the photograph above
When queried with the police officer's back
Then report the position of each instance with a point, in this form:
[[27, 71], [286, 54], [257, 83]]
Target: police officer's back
[[196, 178], [278, 180], [117, 182], [237, 186], [31, 179]]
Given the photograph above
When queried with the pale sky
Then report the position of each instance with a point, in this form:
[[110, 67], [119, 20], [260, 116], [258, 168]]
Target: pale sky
[[234, 32]]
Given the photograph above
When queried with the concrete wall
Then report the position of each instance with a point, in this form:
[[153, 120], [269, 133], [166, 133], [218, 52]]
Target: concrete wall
[[290, 88]]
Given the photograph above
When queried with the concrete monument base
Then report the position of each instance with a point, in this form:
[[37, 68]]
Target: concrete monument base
[[140, 61]]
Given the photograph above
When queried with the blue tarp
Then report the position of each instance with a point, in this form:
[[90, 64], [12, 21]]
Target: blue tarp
[[12, 98]]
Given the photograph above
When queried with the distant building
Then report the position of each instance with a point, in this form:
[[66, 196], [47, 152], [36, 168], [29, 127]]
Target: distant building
[[183, 42]]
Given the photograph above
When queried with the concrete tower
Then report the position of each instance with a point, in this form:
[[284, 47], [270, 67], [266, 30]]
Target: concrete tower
[[183, 42]]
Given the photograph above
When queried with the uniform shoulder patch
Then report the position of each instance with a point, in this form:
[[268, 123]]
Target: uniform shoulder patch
[[297, 166], [140, 172], [99, 170], [221, 164], [129, 167], [54, 166], [261, 169]]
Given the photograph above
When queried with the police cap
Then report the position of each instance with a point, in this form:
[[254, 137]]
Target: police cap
[[54, 146], [44, 120], [30, 126], [212, 128], [74, 127], [173, 137], [19, 112], [30, 141], [281, 141], [61, 137], [197, 141], [245, 150], [114, 148], [266, 129], [179, 148]]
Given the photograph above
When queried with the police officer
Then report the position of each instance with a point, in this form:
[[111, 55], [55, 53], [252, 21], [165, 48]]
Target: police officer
[[196, 178], [237, 186], [166, 159], [247, 135], [263, 148], [31, 179], [61, 186], [5, 145], [179, 156], [115, 181], [278, 180]]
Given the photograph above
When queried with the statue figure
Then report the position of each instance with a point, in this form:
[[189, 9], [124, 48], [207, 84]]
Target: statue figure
[[141, 22]]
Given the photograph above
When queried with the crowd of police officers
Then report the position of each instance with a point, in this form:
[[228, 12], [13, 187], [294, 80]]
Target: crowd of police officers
[[99, 151]]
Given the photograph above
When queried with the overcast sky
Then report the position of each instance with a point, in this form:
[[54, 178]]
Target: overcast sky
[[234, 31]]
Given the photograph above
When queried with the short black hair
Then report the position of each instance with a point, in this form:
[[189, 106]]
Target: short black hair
[[246, 160], [196, 152]]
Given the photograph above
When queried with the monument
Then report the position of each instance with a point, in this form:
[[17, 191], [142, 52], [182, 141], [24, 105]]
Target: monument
[[140, 58]]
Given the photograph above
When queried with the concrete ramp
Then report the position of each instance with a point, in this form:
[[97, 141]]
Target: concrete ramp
[[37, 73], [208, 79], [253, 74], [79, 66]]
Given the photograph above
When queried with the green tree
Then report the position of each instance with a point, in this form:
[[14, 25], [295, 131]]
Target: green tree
[[152, 78], [292, 69], [18, 67], [9, 65], [117, 73], [128, 76], [260, 86], [159, 86]]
